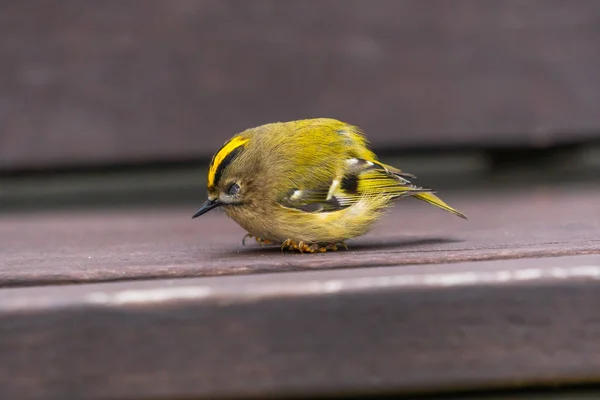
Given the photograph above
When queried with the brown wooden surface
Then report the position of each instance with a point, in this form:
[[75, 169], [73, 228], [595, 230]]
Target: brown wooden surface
[[426, 302], [46, 248], [123, 81], [388, 330]]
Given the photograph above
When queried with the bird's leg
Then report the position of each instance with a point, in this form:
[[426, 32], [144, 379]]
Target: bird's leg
[[304, 247], [287, 245], [247, 235], [323, 247], [300, 246], [260, 240], [263, 242]]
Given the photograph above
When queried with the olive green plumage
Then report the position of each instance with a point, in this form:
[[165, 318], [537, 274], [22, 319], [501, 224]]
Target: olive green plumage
[[308, 184]]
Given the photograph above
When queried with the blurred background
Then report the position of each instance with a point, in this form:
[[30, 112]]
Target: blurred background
[[113, 104], [123, 102]]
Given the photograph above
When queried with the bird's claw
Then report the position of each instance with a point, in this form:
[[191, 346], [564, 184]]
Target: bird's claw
[[304, 247], [261, 241]]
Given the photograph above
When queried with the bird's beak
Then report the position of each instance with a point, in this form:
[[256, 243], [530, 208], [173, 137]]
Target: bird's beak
[[206, 207]]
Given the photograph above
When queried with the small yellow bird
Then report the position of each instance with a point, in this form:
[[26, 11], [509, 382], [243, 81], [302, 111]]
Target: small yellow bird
[[307, 185]]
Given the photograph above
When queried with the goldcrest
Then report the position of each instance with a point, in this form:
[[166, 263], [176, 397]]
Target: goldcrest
[[306, 185]]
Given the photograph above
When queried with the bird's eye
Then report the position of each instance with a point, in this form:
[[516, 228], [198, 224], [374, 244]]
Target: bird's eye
[[233, 189]]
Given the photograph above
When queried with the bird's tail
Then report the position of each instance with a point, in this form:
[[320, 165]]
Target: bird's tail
[[436, 201]]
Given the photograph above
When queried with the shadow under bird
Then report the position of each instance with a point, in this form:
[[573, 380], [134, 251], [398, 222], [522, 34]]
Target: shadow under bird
[[306, 185]]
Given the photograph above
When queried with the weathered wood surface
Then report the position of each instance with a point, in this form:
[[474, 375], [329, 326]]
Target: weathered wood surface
[[363, 331], [49, 248], [121, 81]]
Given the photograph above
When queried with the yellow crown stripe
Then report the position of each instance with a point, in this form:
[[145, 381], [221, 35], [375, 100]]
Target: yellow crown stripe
[[227, 148]]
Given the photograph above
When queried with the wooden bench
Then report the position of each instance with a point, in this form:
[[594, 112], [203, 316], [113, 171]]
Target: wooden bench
[[109, 290], [426, 302]]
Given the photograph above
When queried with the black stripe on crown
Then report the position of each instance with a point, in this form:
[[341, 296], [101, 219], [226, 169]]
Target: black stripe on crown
[[225, 163]]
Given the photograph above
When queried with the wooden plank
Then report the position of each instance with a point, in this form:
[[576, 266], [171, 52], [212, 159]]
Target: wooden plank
[[368, 331], [89, 246], [88, 83]]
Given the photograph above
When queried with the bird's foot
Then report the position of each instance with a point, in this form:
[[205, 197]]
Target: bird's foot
[[261, 241], [304, 247]]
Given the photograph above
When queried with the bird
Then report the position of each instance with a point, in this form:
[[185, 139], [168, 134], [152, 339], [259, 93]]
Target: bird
[[306, 185]]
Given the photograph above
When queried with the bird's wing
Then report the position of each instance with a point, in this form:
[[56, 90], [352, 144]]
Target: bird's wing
[[339, 170], [358, 178]]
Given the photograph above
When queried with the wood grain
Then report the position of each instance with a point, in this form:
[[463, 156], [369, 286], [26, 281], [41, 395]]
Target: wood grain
[[69, 247], [369, 331]]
